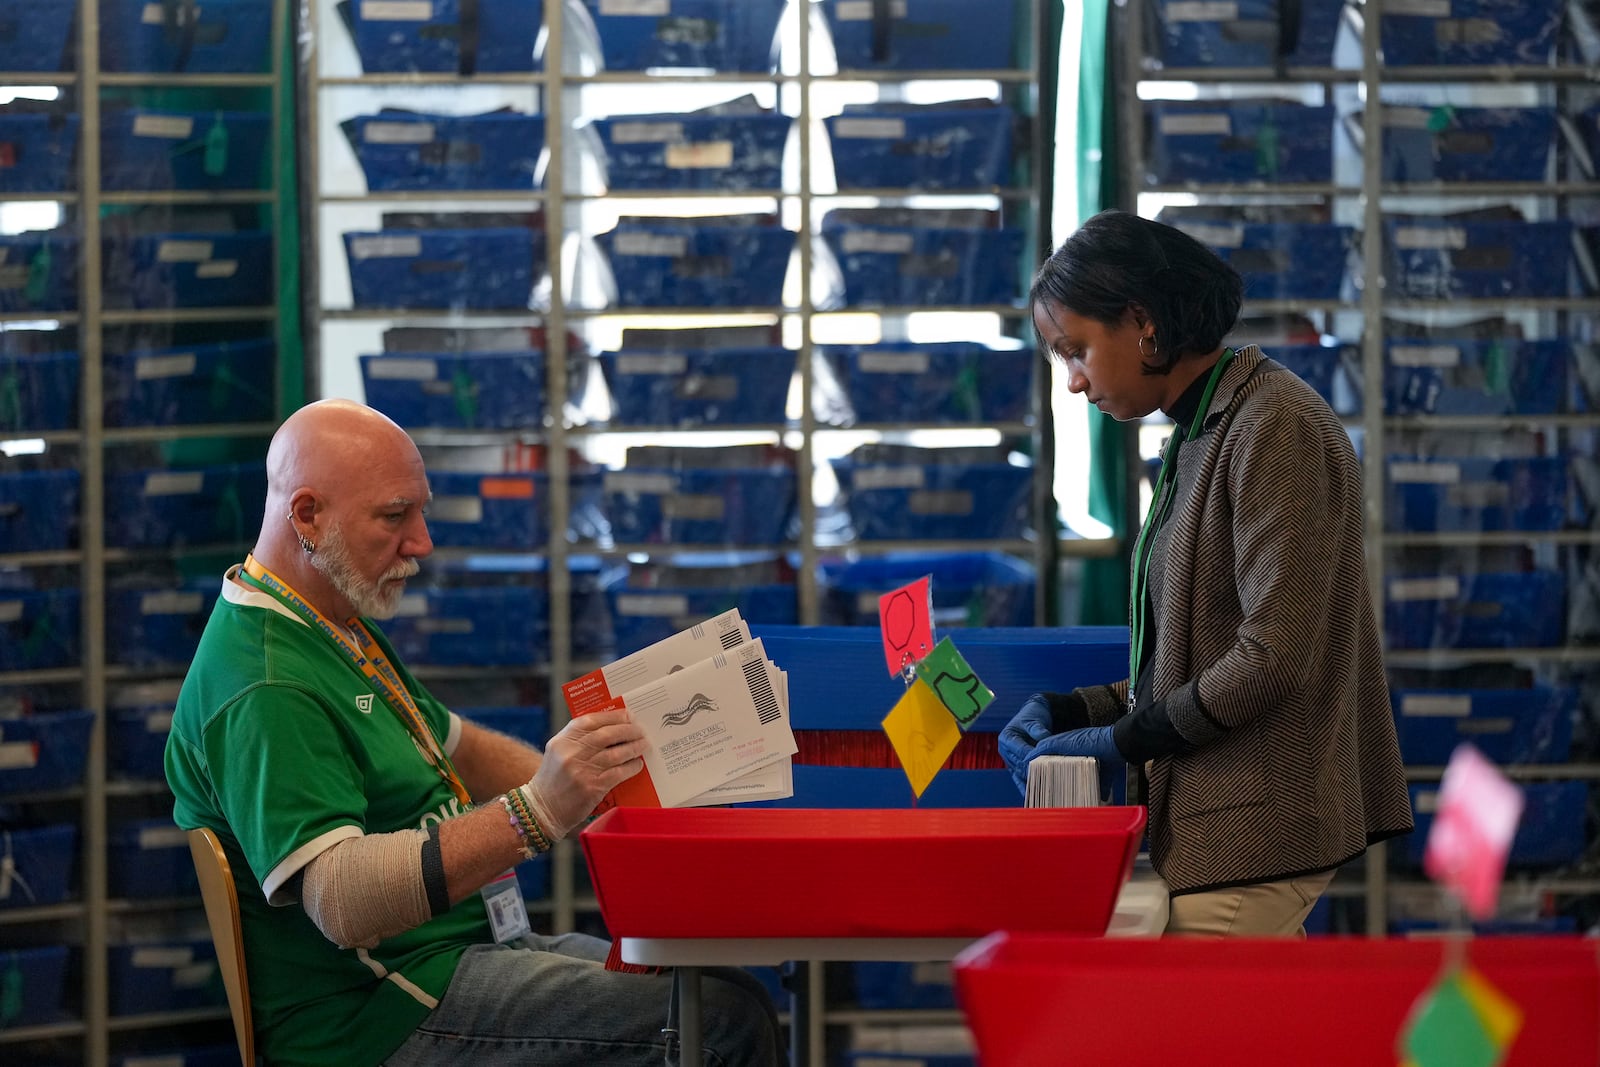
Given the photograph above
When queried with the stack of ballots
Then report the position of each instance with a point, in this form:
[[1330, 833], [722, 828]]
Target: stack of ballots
[[1063, 782], [714, 709]]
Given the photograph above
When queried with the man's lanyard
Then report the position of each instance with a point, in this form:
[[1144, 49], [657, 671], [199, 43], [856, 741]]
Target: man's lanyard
[[367, 657], [1160, 506]]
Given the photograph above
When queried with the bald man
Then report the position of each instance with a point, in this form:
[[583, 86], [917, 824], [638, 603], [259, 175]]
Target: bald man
[[371, 830]]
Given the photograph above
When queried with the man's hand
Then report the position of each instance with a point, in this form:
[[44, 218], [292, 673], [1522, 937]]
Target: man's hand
[[581, 764]]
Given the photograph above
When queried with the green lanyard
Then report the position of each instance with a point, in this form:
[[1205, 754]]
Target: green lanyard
[[1160, 505]]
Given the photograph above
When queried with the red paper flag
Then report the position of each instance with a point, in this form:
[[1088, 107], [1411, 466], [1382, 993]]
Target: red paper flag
[[905, 619], [1477, 808]]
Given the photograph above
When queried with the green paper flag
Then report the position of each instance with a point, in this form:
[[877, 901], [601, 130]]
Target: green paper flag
[[1460, 1022], [955, 682]]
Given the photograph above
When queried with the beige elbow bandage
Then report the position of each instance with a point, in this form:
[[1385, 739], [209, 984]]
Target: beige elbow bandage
[[365, 889]]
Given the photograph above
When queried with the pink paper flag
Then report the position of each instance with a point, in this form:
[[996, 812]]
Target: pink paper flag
[[905, 619], [1475, 818]]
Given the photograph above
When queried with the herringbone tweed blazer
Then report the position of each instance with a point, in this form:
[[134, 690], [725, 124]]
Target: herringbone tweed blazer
[[1260, 589]]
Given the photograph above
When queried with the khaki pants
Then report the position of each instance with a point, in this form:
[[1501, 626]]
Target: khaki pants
[[1272, 909]]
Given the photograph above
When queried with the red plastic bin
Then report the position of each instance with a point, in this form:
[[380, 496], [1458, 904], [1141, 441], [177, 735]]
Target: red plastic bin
[[1032, 1000], [803, 872]]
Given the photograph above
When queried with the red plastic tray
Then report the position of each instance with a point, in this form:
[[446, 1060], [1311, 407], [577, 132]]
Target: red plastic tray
[[798, 872], [1327, 1002]]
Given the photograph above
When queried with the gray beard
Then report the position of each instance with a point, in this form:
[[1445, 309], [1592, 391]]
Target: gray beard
[[374, 600]]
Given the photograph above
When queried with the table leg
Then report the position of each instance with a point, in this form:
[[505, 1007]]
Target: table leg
[[689, 1032]]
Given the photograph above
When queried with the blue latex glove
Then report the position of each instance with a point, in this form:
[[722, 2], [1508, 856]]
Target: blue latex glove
[[1027, 728], [1092, 741]]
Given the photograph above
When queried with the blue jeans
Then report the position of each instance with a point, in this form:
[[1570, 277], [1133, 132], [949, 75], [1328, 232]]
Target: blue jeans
[[549, 1001]]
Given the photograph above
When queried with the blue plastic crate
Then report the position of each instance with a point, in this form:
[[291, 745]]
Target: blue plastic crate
[[1507, 725], [39, 392], [136, 742], [970, 589], [1544, 926], [465, 391], [38, 510], [741, 506], [189, 270], [149, 858], [207, 1056], [1239, 141], [43, 752], [920, 266], [1468, 144], [446, 36], [883, 985], [720, 35], [533, 878], [1244, 33], [39, 271], [914, 502], [483, 269], [496, 510], [39, 976], [1552, 831], [162, 976], [38, 152], [697, 263], [405, 151], [530, 724], [1427, 495], [490, 626], [189, 506], [1316, 365], [34, 36], [1444, 258], [838, 680], [1280, 260], [214, 37], [694, 151], [1522, 610], [878, 147], [699, 387], [41, 861], [886, 787], [145, 150], [922, 34], [1471, 33], [157, 627], [947, 382], [1496, 377], [642, 616], [234, 381]]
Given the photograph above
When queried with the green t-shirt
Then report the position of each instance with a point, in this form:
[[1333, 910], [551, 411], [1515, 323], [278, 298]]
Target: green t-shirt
[[281, 746]]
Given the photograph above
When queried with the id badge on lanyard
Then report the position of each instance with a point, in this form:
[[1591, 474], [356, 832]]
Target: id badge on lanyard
[[508, 913]]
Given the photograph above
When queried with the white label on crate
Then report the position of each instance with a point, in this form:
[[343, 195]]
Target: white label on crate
[[386, 247], [152, 15], [153, 1061], [217, 268], [1428, 801], [148, 367], [174, 483], [870, 129], [398, 133], [662, 364], [10, 610], [867, 603], [1435, 705], [1407, 118], [171, 126], [1436, 237], [635, 7], [1425, 589], [646, 132], [171, 602], [650, 244], [18, 755], [652, 606], [163, 956], [888, 478], [412, 605], [444, 626], [893, 363], [1217, 236], [1425, 356], [701, 155], [625, 482], [1202, 11], [894, 244], [396, 10], [456, 509], [695, 507], [195, 975], [945, 502], [1425, 473], [1219, 123], [1479, 727], [153, 837], [861, 10], [932, 972], [159, 722], [395, 368], [1433, 9], [183, 251]]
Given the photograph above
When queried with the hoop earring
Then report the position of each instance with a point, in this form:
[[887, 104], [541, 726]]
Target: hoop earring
[[1154, 349], [307, 544]]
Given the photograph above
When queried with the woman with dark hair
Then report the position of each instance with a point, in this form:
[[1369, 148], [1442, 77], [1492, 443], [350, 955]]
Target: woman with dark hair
[[1256, 700]]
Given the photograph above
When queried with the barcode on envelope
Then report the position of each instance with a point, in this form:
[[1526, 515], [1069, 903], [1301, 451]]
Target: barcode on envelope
[[766, 702], [731, 639]]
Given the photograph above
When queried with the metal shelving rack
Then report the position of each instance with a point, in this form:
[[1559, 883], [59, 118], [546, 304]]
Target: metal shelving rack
[[1373, 881]]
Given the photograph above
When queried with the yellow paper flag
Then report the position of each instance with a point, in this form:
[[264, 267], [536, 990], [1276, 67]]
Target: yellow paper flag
[[923, 733], [1500, 1016]]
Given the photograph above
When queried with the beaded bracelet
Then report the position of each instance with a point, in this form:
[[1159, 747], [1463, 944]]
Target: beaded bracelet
[[524, 822]]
